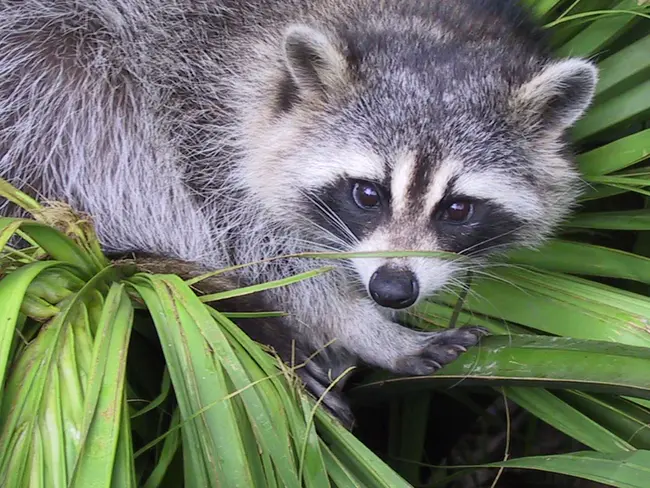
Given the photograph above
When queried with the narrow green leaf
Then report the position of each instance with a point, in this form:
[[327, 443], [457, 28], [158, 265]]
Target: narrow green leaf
[[597, 192], [543, 7], [585, 259], [440, 315], [626, 419], [39, 364], [169, 450], [624, 470], [253, 315], [562, 305], [12, 290], [36, 472], [616, 155], [272, 481], [212, 446], [247, 290], [51, 436], [624, 69], [552, 410], [15, 466], [37, 308], [57, 245], [563, 31], [158, 401], [600, 33], [124, 474], [18, 197], [619, 220], [357, 458], [55, 285], [532, 361], [624, 181], [7, 229], [103, 402], [340, 475], [261, 417], [412, 419], [629, 107], [250, 443], [597, 14], [312, 466], [289, 419]]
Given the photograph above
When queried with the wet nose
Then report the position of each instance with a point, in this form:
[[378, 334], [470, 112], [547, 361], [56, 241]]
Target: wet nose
[[393, 287]]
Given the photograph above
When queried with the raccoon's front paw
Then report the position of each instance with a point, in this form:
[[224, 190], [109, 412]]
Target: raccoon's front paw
[[439, 348], [316, 381]]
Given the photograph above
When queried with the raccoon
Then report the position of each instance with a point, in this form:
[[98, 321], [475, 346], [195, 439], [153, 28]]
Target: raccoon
[[221, 132]]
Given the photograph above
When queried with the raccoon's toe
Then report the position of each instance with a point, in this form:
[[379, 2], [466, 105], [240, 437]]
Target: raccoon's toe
[[440, 349], [316, 381], [333, 401], [463, 336]]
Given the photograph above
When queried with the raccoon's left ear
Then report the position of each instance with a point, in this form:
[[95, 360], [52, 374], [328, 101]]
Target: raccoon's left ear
[[556, 97], [315, 62]]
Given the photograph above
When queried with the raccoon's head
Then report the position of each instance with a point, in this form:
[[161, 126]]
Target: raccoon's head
[[390, 140]]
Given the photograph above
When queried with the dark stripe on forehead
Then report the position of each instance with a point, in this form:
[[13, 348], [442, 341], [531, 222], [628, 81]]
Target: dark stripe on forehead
[[421, 177], [429, 158]]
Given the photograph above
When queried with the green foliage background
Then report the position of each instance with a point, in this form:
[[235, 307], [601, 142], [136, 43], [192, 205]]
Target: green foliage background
[[113, 377]]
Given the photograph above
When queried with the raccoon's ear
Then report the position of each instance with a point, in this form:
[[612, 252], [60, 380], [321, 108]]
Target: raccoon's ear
[[556, 97], [315, 63]]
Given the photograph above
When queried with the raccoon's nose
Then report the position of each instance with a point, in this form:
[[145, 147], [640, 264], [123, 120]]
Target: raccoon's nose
[[393, 287]]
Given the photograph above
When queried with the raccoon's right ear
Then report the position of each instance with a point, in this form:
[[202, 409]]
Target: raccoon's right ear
[[557, 96], [315, 63]]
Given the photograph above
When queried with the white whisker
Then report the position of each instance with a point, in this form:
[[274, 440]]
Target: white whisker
[[332, 217], [499, 236]]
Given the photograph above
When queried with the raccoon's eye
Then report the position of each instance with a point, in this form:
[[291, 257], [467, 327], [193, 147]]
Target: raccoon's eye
[[458, 212], [365, 194]]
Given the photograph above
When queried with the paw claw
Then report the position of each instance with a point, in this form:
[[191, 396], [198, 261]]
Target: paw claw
[[439, 349], [435, 365], [482, 331], [316, 379]]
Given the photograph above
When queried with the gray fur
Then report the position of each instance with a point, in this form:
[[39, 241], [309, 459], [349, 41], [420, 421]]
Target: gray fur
[[165, 120]]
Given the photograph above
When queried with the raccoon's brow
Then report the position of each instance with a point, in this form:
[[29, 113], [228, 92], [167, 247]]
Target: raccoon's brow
[[439, 182], [331, 165], [516, 195], [509, 192]]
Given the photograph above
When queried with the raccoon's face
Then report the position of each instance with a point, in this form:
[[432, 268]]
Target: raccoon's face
[[393, 149]]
